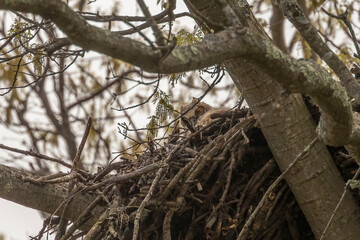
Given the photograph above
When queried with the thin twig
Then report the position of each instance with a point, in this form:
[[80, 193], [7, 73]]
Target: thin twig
[[15, 77], [344, 17], [338, 204], [81, 146], [126, 177], [35, 154]]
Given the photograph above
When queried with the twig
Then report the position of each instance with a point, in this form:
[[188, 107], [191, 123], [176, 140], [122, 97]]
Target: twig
[[228, 181], [96, 228], [71, 178], [81, 146], [338, 204], [125, 177], [160, 40], [15, 77], [85, 215], [167, 225], [253, 187], [344, 17], [35, 154], [118, 79], [144, 202], [310, 34], [225, 192]]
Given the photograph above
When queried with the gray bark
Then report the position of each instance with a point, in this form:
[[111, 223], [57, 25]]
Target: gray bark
[[315, 181], [46, 198]]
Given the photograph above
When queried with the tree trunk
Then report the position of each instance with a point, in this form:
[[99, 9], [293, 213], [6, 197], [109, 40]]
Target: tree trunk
[[288, 129]]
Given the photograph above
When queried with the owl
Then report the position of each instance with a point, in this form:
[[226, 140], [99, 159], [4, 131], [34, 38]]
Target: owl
[[200, 114]]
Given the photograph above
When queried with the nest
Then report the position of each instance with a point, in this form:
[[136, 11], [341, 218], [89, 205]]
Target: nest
[[202, 185]]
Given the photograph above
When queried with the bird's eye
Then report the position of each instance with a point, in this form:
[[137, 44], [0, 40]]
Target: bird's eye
[[199, 111]]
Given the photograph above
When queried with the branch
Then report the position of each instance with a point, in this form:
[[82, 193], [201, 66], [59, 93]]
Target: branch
[[35, 154], [76, 160], [46, 198], [89, 37], [344, 17], [57, 44], [296, 16], [298, 76]]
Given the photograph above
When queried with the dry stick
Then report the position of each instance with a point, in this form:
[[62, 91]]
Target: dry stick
[[275, 202], [72, 175], [81, 146], [34, 154], [85, 215], [186, 169], [108, 169], [256, 179], [128, 176], [167, 225], [271, 188], [259, 180], [144, 202], [207, 153], [338, 204], [224, 194], [59, 177], [53, 178], [229, 144], [228, 181], [63, 223], [176, 179], [157, 178], [95, 230], [44, 179]]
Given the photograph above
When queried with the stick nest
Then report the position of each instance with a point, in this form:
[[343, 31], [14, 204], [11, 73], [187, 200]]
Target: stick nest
[[201, 185]]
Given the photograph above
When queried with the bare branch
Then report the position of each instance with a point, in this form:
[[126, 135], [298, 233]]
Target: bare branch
[[45, 198], [295, 14], [344, 17], [76, 160], [34, 154]]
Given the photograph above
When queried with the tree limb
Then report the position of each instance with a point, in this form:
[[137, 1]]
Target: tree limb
[[301, 76], [46, 198], [296, 16]]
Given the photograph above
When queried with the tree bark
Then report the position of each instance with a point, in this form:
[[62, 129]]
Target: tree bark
[[277, 21], [289, 128], [46, 198]]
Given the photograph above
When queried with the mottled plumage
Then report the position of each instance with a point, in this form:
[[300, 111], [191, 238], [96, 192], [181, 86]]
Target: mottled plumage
[[200, 114]]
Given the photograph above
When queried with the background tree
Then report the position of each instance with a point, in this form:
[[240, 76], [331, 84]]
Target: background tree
[[51, 91]]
